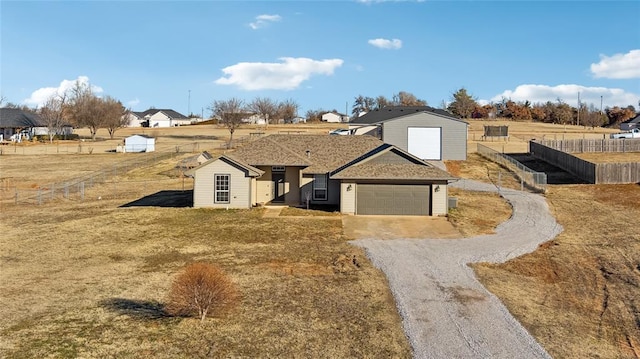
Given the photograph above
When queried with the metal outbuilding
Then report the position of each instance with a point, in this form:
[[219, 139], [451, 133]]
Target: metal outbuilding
[[139, 143]]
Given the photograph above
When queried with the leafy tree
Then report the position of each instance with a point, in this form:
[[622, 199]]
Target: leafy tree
[[562, 113], [617, 115], [462, 104], [362, 104], [230, 113], [201, 289], [404, 98]]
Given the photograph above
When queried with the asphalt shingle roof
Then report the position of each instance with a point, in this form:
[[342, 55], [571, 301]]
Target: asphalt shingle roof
[[168, 112], [347, 155], [318, 153], [391, 171], [390, 112], [17, 118]]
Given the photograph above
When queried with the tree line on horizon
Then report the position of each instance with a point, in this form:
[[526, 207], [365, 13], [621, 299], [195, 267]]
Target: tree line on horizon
[[463, 105], [81, 107]]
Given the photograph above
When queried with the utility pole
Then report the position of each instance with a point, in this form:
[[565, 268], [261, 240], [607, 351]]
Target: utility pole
[[189, 105], [601, 104], [578, 122]]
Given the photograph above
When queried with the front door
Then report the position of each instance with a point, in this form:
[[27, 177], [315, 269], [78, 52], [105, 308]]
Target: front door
[[278, 186]]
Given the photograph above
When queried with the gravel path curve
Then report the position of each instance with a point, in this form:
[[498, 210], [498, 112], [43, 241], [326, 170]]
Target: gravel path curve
[[446, 312]]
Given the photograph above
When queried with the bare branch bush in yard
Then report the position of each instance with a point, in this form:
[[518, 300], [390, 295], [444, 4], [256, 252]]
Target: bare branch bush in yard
[[202, 289]]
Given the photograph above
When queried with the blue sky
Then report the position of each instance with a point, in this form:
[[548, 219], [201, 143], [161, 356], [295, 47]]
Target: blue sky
[[184, 55]]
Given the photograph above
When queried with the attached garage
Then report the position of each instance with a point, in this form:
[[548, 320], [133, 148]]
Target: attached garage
[[393, 199]]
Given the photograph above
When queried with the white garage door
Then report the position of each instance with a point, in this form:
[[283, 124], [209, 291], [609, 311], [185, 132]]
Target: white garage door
[[425, 142]]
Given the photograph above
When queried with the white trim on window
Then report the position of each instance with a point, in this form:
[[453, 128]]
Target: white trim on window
[[222, 186], [320, 192]]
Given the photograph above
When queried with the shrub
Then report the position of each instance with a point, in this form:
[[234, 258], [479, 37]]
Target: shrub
[[201, 289]]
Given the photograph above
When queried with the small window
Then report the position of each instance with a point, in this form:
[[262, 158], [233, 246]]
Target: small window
[[222, 188], [320, 187], [277, 169]]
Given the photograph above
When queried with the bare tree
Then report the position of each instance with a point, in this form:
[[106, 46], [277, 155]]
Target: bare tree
[[288, 110], [115, 115], [84, 108], [265, 107], [52, 114], [201, 289], [230, 113]]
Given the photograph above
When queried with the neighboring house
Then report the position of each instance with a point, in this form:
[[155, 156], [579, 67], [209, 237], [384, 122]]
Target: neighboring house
[[136, 119], [158, 118], [335, 117], [139, 143], [359, 174], [630, 124], [14, 121], [423, 131]]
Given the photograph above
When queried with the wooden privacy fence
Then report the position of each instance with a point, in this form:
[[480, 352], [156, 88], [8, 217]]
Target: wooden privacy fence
[[596, 173], [535, 180], [593, 145]]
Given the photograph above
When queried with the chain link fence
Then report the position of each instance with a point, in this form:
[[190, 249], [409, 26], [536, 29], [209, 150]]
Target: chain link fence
[[108, 178]]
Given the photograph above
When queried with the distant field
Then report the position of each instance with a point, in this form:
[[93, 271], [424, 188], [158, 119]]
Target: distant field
[[611, 157], [87, 278]]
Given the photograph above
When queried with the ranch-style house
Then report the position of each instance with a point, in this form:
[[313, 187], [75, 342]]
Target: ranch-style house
[[360, 175]]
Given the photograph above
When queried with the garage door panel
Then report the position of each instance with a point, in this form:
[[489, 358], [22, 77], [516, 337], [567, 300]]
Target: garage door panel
[[396, 199], [425, 142]]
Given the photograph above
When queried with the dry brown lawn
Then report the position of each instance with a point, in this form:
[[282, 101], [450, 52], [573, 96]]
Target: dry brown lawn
[[578, 295], [90, 278], [611, 157]]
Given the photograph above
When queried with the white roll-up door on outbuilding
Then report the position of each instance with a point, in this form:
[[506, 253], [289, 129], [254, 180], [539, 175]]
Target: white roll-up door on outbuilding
[[425, 142]]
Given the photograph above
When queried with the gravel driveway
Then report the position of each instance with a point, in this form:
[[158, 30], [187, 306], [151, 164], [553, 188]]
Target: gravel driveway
[[446, 312]]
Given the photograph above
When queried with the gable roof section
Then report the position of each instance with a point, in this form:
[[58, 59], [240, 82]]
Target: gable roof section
[[251, 171], [170, 113], [391, 112], [16, 118], [317, 153], [414, 169], [633, 120]]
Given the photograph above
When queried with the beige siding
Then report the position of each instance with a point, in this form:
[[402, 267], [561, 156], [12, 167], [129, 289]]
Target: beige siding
[[348, 201], [264, 186], [439, 199], [292, 181], [239, 186], [453, 140]]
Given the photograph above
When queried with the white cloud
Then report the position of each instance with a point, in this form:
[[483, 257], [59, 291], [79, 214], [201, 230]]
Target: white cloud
[[618, 66], [386, 44], [569, 95], [133, 103], [40, 96], [264, 20], [286, 75]]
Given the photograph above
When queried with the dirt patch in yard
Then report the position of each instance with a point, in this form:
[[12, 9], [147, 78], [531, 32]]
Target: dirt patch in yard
[[394, 227]]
